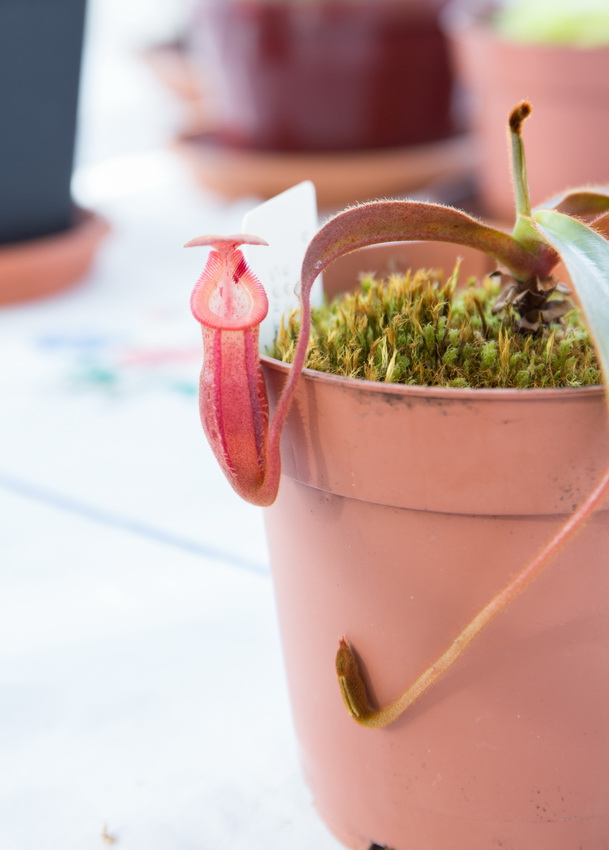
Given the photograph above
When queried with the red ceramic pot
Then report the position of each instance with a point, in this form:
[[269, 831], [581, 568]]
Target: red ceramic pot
[[322, 76]]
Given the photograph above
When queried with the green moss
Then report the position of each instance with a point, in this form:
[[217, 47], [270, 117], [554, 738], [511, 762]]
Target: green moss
[[418, 329]]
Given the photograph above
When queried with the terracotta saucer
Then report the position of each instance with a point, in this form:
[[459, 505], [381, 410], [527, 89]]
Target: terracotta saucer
[[38, 267], [340, 178]]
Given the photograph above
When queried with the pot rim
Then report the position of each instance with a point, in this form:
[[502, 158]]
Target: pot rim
[[448, 393]]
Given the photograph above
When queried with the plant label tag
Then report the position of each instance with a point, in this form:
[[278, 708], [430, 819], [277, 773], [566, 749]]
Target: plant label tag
[[287, 222]]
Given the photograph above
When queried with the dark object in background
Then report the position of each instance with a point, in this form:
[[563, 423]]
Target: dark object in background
[[40, 59], [325, 76]]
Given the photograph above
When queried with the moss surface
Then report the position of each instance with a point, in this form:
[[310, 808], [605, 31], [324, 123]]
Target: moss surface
[[418, 329]]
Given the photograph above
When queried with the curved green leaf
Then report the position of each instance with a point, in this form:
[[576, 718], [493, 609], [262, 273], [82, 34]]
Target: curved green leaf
[[404, 221], [585, 253]]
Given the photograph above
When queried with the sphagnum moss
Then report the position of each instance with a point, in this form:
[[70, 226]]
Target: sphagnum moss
[[420, 330]]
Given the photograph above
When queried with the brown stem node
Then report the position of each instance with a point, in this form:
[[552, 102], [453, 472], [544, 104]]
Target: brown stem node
[[518, 116]]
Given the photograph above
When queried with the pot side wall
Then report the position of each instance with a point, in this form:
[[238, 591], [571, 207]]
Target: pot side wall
[[510, 748]]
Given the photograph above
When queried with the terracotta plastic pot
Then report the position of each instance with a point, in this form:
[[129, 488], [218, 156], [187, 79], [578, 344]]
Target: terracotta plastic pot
[[319, 76], [401, 512], [567, 141]]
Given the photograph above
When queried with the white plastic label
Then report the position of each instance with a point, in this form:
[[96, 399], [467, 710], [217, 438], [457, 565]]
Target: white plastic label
[[287, 222]]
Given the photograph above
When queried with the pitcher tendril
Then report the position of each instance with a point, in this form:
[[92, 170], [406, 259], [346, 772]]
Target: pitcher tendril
[[521, 187], [350, 680]]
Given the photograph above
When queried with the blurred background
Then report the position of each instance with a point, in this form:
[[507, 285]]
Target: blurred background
[[142, 699]]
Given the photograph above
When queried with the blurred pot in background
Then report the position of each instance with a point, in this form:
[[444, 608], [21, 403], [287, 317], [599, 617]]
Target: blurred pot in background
[[46, 243], [554, 54], [40, 58], [325, 75]]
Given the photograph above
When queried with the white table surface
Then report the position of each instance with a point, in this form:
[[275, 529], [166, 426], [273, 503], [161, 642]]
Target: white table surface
[[136, 607]]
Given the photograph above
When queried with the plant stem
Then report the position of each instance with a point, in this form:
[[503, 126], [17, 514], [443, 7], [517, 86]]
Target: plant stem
[[524, 231], [351, 683], [519, 170]]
